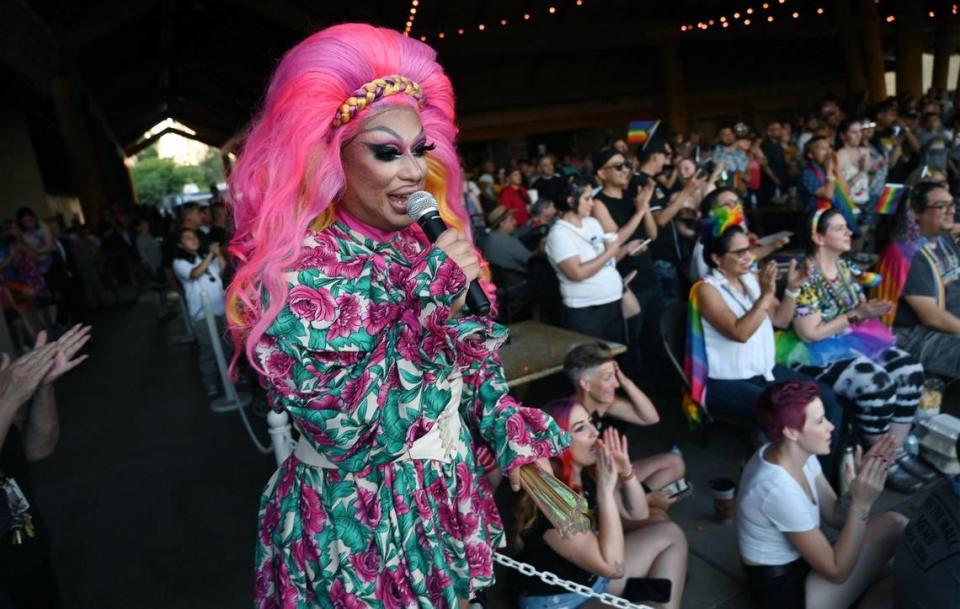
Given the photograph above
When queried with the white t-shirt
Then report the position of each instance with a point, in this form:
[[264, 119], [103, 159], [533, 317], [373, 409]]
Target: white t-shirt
[[770, 503], [209, 283], [729, 359], [565, 241]]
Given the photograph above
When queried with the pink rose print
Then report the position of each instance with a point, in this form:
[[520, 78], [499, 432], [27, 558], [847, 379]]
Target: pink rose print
[[312, 305], [368, 507], [437, 584], [464, 482], [473, 349], [278, 364], [438, 491], [311, 511], [449, 280], [349, 319], [381, 315], [366, 564], [398, 275], [479, 559], [392, 590], [263, 587], [517, 430], [418, 429], [304, 551], [321, 256], [350, 268], [352, 390], [490, 512], [269, 523], [422, 500], [342, 599], [468, 524], [449, 522], [288, 591]]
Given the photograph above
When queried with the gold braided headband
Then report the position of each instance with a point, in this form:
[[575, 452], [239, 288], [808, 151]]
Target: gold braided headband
[[373, 91]]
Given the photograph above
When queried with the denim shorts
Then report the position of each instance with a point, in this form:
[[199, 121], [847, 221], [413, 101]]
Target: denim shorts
[[569, 600]]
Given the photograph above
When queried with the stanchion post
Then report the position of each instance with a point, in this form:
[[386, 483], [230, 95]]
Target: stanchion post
[[278, 425], [188, 336], [231, 399]]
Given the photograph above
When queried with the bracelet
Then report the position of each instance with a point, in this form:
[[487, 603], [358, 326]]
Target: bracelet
[[852, 318], [831, 179], [788, 293], [628, 477], [864, 515]]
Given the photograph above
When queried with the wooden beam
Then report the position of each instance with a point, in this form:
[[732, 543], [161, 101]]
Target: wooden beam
[[909, 48], [850, 43], [873, 50], [942, 45]]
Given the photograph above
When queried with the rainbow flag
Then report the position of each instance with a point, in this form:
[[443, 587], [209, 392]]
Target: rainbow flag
[[640, 132], [869, 280], [894, 264], [843, 202], [890, 198], [695, 361]]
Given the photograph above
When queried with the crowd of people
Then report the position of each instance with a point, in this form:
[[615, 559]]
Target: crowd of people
[[398, 393]]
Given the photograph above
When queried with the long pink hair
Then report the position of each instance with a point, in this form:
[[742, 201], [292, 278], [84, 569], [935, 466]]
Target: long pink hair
[[289, 171]]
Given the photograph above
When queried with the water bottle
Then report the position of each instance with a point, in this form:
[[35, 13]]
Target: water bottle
[[912, 444], [848, 461]]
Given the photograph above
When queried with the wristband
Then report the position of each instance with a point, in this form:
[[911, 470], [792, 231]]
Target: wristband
[[831, 179], [628, 477], [852, 318], [788, 293]]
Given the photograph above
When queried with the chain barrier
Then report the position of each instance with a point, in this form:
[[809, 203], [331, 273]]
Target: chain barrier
[[553, 580]]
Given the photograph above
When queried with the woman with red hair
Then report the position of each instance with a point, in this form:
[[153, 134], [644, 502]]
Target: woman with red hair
[[788, 561], [606, 558], [356, 323]]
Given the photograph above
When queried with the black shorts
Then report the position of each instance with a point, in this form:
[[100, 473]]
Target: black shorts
[[778, 586]]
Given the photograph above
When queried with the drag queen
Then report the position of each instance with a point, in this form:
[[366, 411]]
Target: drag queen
[[357, 325]]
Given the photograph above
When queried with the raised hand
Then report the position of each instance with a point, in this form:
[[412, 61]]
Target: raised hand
[[868, 484], [796, 275], [768, 279], [457, 247], [606, 469], [617, 449], [20, 378], [66, 347]]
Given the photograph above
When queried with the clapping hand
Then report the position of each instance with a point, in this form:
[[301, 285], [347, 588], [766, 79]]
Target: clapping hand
[[768, 279], [868, 483], [869, 309], [66, 348], [644, 194], [796, 275], [606, 469], [616, 446], [20, 378]]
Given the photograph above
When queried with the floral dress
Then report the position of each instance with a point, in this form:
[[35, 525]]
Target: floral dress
[[361, 355]]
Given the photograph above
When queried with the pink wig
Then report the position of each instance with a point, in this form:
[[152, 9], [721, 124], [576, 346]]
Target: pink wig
[[785, 405], [560, 410], [289, 171]]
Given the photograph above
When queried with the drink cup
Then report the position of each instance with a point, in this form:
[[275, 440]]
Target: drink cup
[[724, 491]]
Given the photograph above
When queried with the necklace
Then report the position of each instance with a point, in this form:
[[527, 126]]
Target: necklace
[[844, 294]]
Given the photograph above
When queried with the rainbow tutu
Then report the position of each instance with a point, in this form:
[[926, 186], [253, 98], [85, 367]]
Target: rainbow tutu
[[870, 339]]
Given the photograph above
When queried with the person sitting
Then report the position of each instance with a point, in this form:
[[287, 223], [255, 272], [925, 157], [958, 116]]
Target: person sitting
[[929, 551], [542, 215], [515, 197], [585, 262], [924, 269], [605, 559], [738, 311], [501, 247], [845, 345], [724, 205], [789, 563], [596, 377]]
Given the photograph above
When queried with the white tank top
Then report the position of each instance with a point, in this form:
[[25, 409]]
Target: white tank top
[[729, 360]]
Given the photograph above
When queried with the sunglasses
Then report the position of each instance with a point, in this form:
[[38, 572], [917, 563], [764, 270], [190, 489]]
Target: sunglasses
[[618, 166]]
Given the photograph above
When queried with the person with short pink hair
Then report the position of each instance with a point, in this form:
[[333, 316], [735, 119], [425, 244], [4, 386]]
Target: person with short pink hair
[[783, 494]]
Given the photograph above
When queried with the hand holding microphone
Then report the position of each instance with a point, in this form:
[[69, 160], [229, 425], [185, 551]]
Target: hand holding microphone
[[422, 207]]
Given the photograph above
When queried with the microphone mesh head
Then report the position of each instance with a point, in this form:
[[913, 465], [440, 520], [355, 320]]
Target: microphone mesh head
[[420, 203]]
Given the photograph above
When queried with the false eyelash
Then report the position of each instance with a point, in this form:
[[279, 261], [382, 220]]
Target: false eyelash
[[384, 153], [424, 148]]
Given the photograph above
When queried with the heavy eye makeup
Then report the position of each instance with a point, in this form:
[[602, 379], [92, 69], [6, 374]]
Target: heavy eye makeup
[[391, 152]]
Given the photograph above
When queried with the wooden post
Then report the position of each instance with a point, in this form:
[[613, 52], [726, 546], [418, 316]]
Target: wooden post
[[873, 50], [943, 42], [909, 48], [675, 113], [852, 54]]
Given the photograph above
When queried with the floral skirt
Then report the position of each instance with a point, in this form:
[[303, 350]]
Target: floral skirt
[[409, 534]]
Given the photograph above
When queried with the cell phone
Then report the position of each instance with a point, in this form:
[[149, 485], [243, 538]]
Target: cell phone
[[678, 489], [640, 246]]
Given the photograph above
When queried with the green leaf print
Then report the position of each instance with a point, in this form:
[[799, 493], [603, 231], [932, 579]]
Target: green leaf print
[[349, 530]]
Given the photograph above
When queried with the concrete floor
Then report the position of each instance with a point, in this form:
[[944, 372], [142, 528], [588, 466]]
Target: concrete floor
[[152, 498]]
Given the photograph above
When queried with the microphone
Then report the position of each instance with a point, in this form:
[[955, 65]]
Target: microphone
[[422, 207]]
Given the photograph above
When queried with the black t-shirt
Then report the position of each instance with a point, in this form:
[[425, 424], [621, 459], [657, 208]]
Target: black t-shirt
[[553, 188], [541, 556], [18, 560], [922, 282], [665, 246], [621, 210]]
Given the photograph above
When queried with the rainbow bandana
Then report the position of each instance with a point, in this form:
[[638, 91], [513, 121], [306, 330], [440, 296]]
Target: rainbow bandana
[[373, 91]]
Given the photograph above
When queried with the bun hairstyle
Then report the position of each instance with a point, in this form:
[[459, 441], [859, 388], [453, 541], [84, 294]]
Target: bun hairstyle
[[574, 190], [290, 174]]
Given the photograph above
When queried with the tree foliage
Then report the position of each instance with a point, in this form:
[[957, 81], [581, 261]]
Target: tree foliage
[[153, 177]]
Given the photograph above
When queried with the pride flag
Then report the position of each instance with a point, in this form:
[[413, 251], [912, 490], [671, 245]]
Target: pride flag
[[640, 132], [695, 361], [843, 202], [890, 198]]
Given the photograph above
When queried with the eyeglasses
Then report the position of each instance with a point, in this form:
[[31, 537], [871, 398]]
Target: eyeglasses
[[618, 166], [740, 253], [730, 203], [942, 205]]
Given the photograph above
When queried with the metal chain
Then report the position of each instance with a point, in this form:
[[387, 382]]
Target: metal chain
[[553, 580]]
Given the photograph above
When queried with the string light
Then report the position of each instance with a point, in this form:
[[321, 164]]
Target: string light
[[820, 11], [481, 27], [891, 18], [503, 22], [796, 15], [736, 15], [423, 39], [579, 2], [552, 10], [770, 19], [765, 6], [526, 16], [460, 31], [746, 22], [410, 19], [749, 11], [932, 14]]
